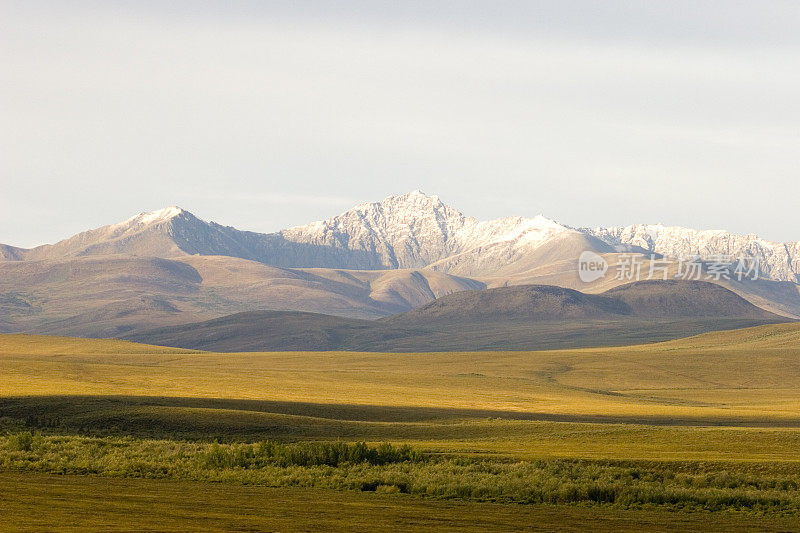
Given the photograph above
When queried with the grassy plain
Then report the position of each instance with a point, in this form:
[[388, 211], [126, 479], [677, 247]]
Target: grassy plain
[[81, 503], [748, 377], [721, 408]]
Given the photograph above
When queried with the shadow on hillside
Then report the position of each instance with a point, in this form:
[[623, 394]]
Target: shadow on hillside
[[212, 418]]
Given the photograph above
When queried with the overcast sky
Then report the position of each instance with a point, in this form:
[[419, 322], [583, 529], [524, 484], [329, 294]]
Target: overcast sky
[[264, 115]]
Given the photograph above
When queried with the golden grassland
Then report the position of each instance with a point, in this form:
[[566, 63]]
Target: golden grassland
[[728, 396], [20, 343], [744, 377], [720, 406], [719, 396], [80, 503]]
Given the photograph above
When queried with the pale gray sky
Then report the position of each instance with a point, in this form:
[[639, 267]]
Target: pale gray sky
[[264, 115]]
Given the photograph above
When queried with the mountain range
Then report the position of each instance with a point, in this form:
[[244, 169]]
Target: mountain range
[[169, 267], [408, 231]]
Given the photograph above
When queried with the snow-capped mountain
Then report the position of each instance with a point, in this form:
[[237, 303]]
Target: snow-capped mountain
[[415, 230], [412, 230], [407, 231], [164, 233], [777, 260]]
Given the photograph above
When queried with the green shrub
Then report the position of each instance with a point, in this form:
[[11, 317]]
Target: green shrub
[[22, 441], [306, 454]]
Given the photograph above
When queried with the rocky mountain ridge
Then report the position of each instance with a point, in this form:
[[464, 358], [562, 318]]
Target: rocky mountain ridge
[[412, 230]]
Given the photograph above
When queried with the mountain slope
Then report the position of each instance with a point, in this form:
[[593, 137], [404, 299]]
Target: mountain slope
[[11, 253], [147, 234], [524, 302], [173, 232], [408, 231], [415, 230], [106, 296], [684, 298], [266, 330], [642, 299], [523, 317]]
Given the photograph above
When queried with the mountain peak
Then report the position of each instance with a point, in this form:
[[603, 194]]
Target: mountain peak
[[160, 215], [402, 208], [415, 196], [544, 222]]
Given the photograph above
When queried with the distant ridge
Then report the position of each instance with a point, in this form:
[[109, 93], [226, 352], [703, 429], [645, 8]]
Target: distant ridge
[[642, 299], [412, 230], [521, 317], [522, 302], [684, 298]]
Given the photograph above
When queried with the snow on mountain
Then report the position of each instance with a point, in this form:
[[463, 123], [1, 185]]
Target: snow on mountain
[[415, 230], [153, 217], [779, 261], [143, 234], [412, 230], [407, 231]]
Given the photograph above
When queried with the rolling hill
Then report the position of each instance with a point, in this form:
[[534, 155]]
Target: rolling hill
[[747, 378], [521, 317], [116, 295]]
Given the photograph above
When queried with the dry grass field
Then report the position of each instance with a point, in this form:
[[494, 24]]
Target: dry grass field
[[80, 503], [748, 377], [719, 411]]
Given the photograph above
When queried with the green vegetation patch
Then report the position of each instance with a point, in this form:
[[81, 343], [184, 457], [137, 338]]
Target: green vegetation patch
[[739, 487], [270, 453]]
